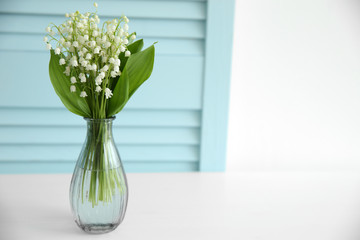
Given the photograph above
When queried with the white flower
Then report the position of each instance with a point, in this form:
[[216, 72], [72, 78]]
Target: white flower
[[113, 74], [95, 33], [122, 48], [98, 89], [105, 68], [73, 80], [48, 29], [67, 44], [96, 50], [108, 93], [94, 27], [92, 44], [133, 37], [116, 69], [57, 51], [95, 4], [111, 60], [84, 63], [121, 32], [98, 80], [81, 39], [75, 44], [126, 41], [104, 39], [66, 15], [88, 56], [86, 37], [45, 39], [113, 28], [62, 61], [102, 75], [117, 62], [48, 46], [88, 67], [126, 19], [80, 25], [61, 41], [72, 88], [127, 53], [82, 77], [107, 44], [67, 71], [97, 19], [83, 94], [126, 27], [94, 67], [74, 63], [117, 39]]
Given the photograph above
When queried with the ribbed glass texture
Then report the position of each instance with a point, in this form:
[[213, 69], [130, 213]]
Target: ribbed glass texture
[[98, 190]]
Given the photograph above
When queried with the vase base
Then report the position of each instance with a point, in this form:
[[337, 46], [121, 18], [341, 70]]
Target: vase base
[[98, 228]]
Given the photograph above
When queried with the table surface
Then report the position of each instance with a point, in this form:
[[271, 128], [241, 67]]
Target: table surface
[[271, 206]]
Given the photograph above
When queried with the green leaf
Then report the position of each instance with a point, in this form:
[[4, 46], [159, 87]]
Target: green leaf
[[133, 48], [120, 95], [61, 83], [137, 70]]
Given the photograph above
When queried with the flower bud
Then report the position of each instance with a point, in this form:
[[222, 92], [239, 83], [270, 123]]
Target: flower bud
[[72, 88], [83, 94]]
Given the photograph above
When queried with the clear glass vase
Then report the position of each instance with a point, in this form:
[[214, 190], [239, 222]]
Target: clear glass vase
[[98, 190]]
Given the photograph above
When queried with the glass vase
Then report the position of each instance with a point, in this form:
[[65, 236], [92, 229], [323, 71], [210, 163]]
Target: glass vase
[[98, 190]]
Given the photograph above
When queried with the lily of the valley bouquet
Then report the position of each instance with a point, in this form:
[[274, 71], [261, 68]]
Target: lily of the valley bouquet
[[95, 69]]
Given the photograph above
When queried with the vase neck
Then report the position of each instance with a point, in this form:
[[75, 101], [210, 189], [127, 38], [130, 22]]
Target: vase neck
[[99, 150], [99, 129]]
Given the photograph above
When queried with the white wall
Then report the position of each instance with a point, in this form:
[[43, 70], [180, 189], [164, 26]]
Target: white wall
[[295, 93]]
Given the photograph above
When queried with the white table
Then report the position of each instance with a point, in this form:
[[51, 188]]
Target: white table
[[171, 206]]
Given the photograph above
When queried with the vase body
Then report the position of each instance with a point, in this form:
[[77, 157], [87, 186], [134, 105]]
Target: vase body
[[98, 190]]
